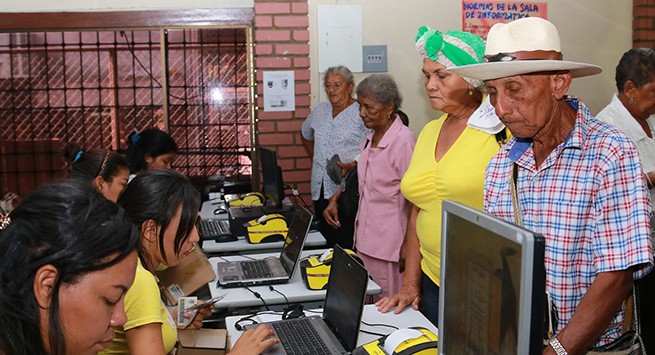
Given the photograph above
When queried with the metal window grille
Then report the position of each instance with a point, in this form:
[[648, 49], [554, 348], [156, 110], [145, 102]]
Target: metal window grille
[[93, 88]]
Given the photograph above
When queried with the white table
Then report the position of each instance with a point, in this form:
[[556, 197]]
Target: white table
[[407, 318], [314, 239], [294, 290]]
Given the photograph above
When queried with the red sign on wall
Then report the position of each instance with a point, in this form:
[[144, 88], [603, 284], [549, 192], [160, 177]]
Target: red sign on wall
[[479, 16]]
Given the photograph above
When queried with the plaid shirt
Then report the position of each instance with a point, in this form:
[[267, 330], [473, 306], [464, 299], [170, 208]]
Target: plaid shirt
[[589, 201]]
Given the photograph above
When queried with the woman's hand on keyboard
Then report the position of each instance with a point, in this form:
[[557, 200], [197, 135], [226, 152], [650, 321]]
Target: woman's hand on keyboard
[[254, 341]]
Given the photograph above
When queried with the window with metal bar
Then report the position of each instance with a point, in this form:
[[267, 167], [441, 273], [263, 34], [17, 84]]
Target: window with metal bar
[[93, 88]]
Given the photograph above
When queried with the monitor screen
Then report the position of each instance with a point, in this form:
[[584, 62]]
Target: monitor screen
[[492, 290], [272, 183], [293, 244], [344, 301]]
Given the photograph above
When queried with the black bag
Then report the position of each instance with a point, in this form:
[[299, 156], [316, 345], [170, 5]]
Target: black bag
[[349, 200]]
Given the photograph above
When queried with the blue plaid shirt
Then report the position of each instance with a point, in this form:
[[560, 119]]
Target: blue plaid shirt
[[588, 199]]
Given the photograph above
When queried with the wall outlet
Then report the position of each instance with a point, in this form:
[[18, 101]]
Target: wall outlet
[[374, 59]]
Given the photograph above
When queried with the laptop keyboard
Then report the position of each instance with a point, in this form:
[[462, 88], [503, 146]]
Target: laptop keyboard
[[256, 269], [211, 228], [298, 337]]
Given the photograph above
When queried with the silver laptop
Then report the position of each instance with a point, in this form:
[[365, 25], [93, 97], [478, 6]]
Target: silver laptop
[[270, 270], [337, 330]]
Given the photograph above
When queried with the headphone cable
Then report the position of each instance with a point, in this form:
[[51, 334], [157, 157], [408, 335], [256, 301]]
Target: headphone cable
[[270, 287], [256, 294]]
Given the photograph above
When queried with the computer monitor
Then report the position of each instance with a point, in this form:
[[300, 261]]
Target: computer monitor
[[492, 292], [272, 183]]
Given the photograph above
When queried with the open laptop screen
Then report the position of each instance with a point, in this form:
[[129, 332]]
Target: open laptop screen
[[295, 239], [344, 301], [492, 285]]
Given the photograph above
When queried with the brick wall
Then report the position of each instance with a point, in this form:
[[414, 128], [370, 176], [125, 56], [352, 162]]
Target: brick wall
[[643, 23], [282, 43]]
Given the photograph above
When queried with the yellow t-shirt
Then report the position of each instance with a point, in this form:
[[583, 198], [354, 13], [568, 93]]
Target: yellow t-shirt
[[458, 176], [143, 305]]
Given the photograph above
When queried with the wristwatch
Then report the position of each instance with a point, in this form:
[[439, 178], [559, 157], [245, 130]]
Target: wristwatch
[[557, 346]]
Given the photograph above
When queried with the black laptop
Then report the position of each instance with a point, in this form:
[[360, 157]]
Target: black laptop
[[337, 330], [270, 270]]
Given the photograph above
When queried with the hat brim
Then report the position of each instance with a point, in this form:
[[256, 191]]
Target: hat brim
[[495, 70]]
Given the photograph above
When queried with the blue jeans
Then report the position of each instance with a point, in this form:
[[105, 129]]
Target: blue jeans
[[429, 300]]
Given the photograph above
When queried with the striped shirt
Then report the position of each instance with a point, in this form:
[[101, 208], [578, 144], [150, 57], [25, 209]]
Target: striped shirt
[[589, 201]]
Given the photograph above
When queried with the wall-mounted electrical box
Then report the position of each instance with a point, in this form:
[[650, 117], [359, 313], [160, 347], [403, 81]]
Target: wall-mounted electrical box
[[374, 59]]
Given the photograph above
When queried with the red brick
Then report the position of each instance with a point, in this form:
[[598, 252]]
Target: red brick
[[272, 35], [303, 88], [302, 74], [265, 126], [263, 49], [272, 8], [639, 44], [301, 35], [273, 115], [643, 35], [291, 21], [293, 151], [289, 125], [303, 163], [276, 139], [643, 23], [263, 21], [287, 164], [642, 12], [259, 77], [303, 100], [305, 189], [302, 112], [260, 103], [272, 62], [297, 175], [299, 8], [286, 49], [301, 62]]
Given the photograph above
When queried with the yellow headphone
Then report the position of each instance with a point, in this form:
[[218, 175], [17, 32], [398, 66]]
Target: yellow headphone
[[316, 269]]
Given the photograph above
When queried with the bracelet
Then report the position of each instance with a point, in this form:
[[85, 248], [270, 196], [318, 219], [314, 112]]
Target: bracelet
[[557, 346]]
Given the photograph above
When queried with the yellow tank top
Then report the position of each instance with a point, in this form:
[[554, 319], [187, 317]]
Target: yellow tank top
[[458, 176]]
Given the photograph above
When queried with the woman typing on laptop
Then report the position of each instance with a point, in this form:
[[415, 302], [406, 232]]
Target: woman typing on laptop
[[164, 205]]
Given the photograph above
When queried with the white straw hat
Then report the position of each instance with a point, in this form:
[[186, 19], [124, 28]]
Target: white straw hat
[[527, 45]]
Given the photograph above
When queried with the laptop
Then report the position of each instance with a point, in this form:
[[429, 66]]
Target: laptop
[[270, 270], [337, 330]]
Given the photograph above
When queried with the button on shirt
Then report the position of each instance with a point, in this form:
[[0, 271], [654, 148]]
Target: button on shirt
[[618, 116], [339, 135], [588, 200]]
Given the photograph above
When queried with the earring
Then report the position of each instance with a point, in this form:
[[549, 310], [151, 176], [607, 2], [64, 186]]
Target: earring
[[470, 92], [632, 101]]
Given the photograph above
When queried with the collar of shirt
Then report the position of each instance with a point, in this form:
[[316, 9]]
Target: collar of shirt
[[518, 147], [629, 123], [388, 137]]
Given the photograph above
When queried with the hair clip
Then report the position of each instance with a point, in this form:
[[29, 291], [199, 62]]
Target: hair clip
[[5, 221], [135, 138], [78, 155]]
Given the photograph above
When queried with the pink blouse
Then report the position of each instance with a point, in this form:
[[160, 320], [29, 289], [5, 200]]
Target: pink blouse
[[381, 220]]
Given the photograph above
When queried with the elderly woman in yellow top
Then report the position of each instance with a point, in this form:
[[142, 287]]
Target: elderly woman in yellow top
[[449, 161]]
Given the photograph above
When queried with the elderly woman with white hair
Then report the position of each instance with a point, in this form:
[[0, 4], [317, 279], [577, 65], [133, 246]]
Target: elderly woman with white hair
[[448, 162]]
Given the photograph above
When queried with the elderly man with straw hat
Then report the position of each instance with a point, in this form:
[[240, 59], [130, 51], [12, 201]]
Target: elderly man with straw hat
[[568, 176]]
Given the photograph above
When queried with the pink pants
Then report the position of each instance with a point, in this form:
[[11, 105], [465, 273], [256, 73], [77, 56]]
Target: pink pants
[[385, 273]]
